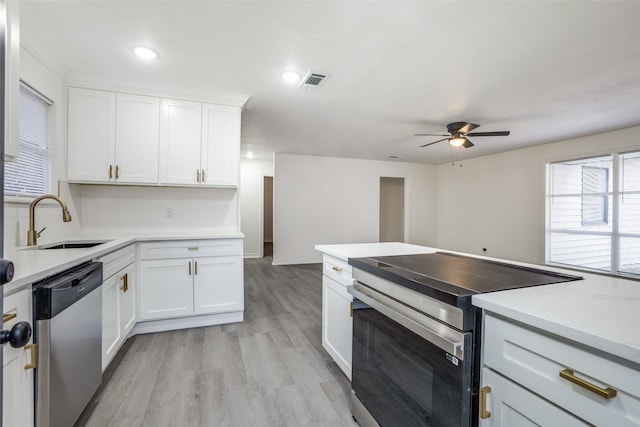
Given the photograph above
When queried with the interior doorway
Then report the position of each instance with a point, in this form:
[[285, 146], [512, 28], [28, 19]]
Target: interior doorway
[[391, 209], [267, 216]]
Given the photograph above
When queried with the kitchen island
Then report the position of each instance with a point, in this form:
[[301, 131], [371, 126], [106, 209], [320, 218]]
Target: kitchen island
[[565, 352]]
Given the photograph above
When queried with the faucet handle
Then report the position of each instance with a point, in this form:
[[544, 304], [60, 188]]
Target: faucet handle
[[40, 232]]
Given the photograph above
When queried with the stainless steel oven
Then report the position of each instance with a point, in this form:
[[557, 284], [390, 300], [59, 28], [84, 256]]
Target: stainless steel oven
[[408, 368], [416, 335]]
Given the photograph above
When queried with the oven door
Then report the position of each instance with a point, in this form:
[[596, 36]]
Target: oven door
[[408, 369]]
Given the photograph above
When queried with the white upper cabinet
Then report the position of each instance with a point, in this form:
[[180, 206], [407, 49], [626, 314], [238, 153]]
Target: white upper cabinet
[[91, 135], [137, 122], [180, 140], [199, 144], [133, 139], [220, 145]]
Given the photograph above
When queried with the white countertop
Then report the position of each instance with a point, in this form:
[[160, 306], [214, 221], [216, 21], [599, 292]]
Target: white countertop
[[601, 312], [32, 265], [357, 250]]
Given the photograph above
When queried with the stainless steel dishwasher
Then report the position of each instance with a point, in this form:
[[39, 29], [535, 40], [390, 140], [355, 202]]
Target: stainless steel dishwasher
[[68, 318]]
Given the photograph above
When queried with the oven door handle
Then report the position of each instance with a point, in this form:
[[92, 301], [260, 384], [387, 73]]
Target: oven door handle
[[448, 339]]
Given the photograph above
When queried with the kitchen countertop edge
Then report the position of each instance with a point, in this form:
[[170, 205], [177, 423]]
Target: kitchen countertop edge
[[32, 265]]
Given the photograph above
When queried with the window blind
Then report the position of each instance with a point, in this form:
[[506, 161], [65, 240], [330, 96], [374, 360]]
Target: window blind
[[30, 174]]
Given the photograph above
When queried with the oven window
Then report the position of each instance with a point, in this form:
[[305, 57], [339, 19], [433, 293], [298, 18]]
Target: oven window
[[404, 380]]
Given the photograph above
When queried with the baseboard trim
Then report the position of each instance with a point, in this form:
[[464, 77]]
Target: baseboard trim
[[162, 325]]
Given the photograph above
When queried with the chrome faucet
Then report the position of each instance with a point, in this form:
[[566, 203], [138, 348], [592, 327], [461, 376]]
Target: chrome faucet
[[32, 234]]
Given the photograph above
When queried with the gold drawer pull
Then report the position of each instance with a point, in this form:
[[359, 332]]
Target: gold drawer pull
[[351, 309], [34, 356], [338, 269], [193, 248], [8, 316], [607, 393], [484, 412]]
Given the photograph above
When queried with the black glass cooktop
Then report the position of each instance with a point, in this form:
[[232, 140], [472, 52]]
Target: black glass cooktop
[[447, 276]]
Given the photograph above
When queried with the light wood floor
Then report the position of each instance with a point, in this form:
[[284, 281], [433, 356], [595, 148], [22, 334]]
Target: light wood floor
[[269, 370]]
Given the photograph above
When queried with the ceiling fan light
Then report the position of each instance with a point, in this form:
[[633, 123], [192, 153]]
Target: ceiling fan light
[[456, 141]]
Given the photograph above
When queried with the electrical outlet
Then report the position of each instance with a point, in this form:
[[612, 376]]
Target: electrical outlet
[[168, 213]]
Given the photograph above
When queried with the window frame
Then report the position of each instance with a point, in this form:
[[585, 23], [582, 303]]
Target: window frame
[[616, 193]]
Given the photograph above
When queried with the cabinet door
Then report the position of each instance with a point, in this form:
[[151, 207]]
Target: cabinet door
[[91, 134], [337, 323], [136, 155], [127, 302], [220, 145], [180, 137], [110, 318], [166, 288], [17, 384], [12, 81], [218, 284], [510, 405]]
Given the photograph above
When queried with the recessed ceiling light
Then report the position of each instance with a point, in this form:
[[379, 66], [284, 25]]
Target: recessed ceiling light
[[145, 52], [249, 154], [290, 76]]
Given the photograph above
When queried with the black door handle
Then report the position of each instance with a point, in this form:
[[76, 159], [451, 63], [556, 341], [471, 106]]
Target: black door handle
[[18, 336]]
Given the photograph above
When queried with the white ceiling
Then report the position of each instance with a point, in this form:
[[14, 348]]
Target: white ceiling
[[545, 70]]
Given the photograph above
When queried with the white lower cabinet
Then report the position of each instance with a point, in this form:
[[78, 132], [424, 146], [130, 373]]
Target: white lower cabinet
[[536, 378], [18, 365], [187, 278], [118, 301], [337, 321], [510, 405]]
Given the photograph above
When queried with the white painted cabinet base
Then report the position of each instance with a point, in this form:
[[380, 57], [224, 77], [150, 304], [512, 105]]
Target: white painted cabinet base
[[510, 405], [17, 382], [337, 323]]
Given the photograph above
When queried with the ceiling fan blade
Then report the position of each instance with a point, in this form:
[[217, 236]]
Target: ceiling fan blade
[[461, 127], [431, 134], [467, 143], [434, 142], [497, 133]]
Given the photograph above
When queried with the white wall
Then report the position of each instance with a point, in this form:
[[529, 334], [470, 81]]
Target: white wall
[[498, 202], [252, 173], [320, 200]]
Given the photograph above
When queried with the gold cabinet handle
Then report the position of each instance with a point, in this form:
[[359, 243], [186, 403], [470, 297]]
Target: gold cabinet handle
[[117, 171], [193, 248], [607, 393], [484, 412], [195, 263], [8, 316], [338, 269], [189, 268], [33, 348], [203, 176], [198, 175], [351, 309], [110, 171], [125, 282]]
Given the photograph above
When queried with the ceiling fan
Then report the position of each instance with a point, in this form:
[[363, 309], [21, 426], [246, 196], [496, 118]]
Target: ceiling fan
[[458, 133]]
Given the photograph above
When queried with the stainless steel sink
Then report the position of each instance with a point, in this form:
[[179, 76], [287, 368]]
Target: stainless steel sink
[[77, 244]]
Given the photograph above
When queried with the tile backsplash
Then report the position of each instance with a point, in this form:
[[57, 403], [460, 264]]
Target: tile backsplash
[[111, 209]]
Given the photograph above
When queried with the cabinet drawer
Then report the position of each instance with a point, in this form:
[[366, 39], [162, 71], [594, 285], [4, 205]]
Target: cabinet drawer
[[116, 261], [338, 270], [534, 359], [190, 248]]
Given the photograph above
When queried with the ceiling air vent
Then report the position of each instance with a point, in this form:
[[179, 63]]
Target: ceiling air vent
[[314, 79]]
